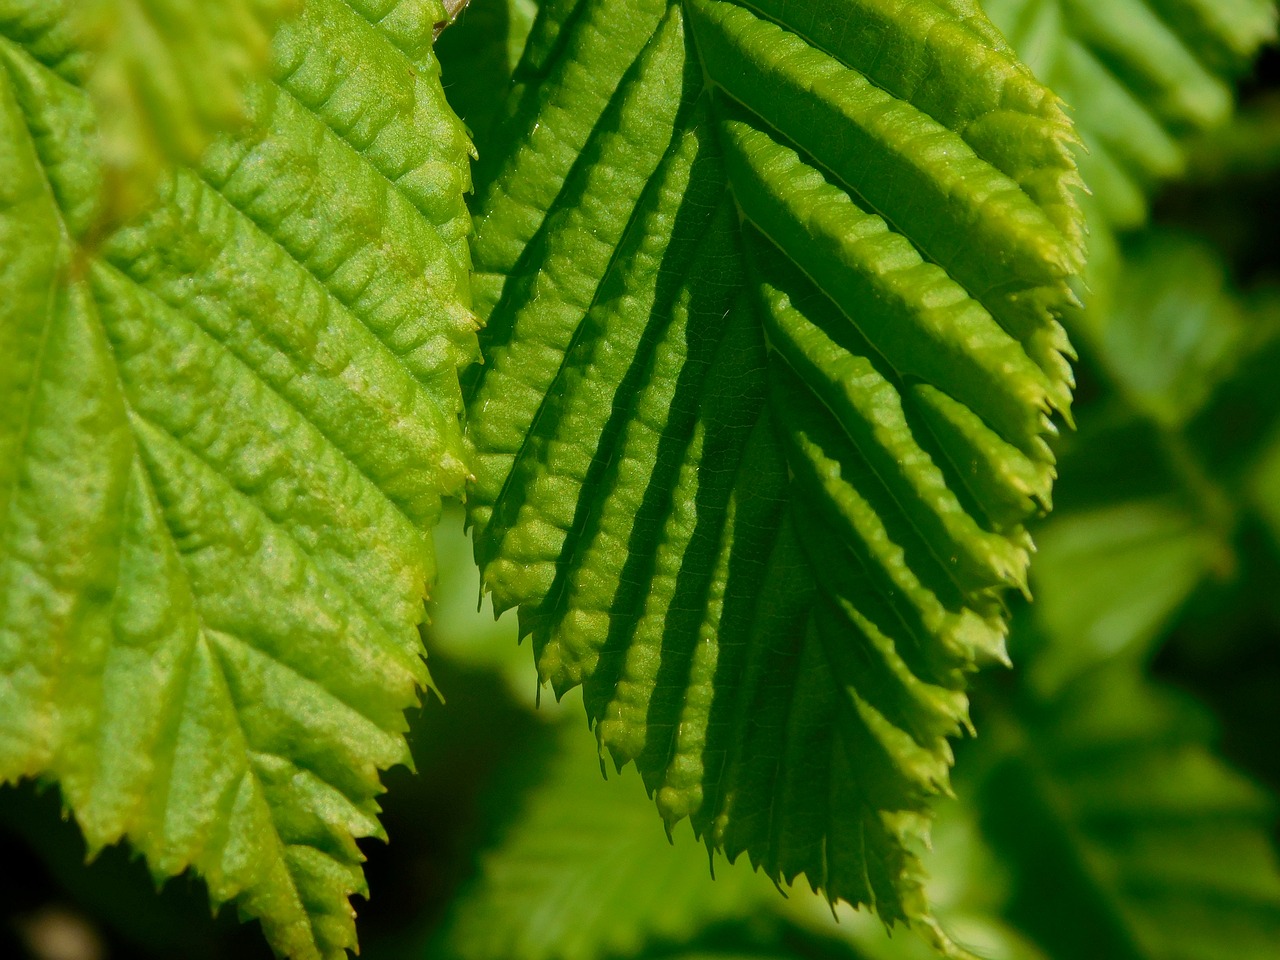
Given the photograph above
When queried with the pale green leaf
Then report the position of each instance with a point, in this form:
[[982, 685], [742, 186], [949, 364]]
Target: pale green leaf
[[772, 355], [225, 430], [166, 76]]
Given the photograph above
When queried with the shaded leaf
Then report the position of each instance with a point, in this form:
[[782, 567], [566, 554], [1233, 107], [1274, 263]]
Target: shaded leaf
[[1173, 330], [1128, 837], [1148, 514], [478, 54], [1264, 486], [751, 463], [579, 874], [1109, 581]]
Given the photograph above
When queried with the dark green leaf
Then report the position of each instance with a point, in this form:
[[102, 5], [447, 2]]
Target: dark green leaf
[[770, 365]]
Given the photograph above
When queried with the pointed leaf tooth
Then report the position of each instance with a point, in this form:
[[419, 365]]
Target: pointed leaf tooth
[[663, 534], [900, 162], [824, 349], [921, 321], [242, 419]]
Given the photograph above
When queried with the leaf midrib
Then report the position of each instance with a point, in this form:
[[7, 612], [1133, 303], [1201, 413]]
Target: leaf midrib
[[139, 462], [275, 241], [775, 356], [33, 389]]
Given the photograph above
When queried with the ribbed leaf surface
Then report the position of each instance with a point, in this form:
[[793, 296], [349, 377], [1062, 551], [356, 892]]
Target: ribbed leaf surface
[[224, 430], [1139, 76], [771, 360]]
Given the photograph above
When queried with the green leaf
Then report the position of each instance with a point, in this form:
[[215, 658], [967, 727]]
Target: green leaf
[[1263, 486], [166, 76], [1109, 581], [225, 430], [751, 464], [1128, 838], [1104, 802], [1172, 329], [579, 874], [1139, 77], [1147, 515]]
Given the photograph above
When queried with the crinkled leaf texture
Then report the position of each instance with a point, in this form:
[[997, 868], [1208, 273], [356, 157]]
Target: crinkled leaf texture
[[224, 432], [771, 360]]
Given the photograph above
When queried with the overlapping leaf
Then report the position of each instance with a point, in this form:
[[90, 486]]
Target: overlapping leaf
[[771, 360], [167, 77], [1139, 75], [225, 429]]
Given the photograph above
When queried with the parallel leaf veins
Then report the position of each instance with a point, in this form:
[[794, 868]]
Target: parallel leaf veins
[[771, 364]]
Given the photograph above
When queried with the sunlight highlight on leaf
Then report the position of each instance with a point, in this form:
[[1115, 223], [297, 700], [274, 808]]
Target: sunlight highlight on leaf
[[227, 428]]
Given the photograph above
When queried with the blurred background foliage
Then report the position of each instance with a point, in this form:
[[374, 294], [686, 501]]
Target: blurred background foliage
[[1120, 800]]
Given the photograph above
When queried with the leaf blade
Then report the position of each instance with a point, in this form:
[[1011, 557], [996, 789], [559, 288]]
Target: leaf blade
[[215, 539], [633, 421]]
